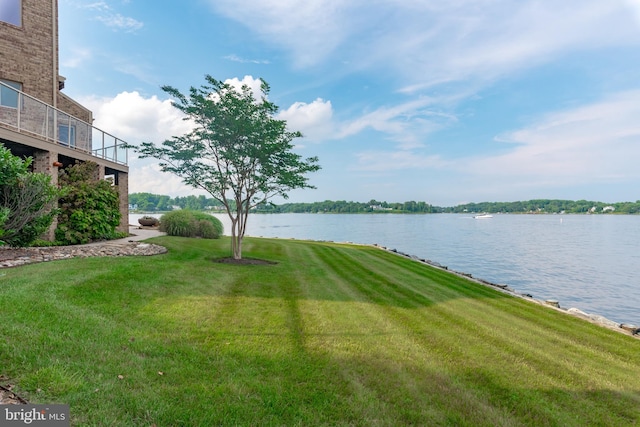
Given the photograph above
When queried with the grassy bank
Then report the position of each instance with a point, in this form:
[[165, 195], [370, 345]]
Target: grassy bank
[[332, 334]]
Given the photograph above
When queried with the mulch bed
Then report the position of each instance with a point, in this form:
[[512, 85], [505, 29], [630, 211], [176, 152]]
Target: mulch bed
[[244, 261]]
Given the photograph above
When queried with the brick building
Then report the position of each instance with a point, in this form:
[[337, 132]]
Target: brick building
[[36, 118]]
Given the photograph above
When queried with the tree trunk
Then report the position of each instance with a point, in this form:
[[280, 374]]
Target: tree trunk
[[237, 247], [236, 238]]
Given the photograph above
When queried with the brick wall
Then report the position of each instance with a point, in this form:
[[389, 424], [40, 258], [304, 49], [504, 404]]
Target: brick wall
[[123, 191], [70, 106], [27, 53]]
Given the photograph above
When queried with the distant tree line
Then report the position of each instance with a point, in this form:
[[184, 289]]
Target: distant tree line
[[147, 202], [549, 206], [342, 206]]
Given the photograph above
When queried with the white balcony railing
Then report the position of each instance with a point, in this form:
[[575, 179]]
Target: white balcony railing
[[31, 116]]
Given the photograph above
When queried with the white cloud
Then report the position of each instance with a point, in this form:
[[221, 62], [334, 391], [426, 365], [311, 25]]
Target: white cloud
[[407, 124], [254, 84], [236, 58], [320, 23], [596, 143], [428, 43], [135, 119], [313, 119], [119, 22], [112, 19], [386, 119]]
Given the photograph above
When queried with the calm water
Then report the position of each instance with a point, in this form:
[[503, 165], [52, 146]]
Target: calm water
[[591, 262]]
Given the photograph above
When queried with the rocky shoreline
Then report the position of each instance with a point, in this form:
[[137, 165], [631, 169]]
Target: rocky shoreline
[[628, 329]]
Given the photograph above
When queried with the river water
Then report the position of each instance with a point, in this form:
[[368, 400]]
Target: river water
[[591, 262]]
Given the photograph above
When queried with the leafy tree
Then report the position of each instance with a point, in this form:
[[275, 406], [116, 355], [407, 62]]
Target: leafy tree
[[164, 203], [237, 151], [90, 209], [27, 200]]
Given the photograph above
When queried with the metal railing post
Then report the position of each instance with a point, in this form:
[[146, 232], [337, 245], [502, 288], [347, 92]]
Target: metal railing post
[[20, 101]]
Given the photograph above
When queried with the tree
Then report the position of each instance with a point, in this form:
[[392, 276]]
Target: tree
[[237, 151]]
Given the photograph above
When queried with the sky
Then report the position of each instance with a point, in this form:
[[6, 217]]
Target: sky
[[446, 102]]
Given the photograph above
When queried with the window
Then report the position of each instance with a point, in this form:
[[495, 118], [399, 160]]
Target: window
[[67, 135], [9, 96], [11, 12]]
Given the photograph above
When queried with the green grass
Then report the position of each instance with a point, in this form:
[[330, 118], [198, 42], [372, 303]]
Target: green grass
[[331, 335]]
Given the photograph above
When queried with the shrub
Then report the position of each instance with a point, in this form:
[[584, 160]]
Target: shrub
[[30, 200], [218, 229], [188, 223], [177, 223], [4, 215], [91, 208], [39, 243], [27, 201]]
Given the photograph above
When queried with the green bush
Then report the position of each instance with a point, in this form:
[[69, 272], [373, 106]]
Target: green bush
[[39, 243], [90, 209], [188, 223], [4, 215], [218, 229], [27, 200], [177, 223]]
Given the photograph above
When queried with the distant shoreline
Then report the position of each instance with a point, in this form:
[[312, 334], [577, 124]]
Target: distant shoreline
[[157, 203]]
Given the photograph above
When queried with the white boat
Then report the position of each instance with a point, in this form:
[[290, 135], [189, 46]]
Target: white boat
[[483, 216]]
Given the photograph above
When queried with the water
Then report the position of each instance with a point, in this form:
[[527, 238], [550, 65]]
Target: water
[[591, 262]]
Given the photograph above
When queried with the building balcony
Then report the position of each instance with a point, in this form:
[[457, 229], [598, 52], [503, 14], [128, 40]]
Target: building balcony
[[29, 116]]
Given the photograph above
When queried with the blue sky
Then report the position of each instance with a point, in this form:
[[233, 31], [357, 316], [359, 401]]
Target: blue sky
[[446, 102]]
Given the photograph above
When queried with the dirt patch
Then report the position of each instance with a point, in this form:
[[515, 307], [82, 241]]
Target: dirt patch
[[244, 261]]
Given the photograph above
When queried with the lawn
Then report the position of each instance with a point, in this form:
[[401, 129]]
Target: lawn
[[330, 335]]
